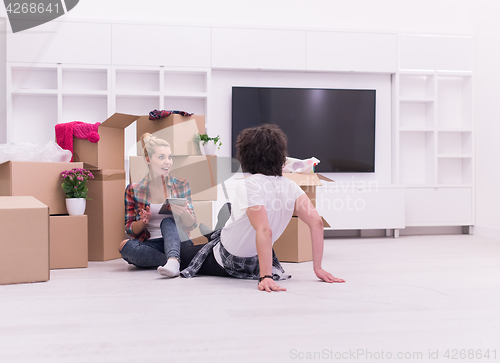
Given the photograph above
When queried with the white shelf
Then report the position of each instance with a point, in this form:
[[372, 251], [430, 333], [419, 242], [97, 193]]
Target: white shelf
[[141, 94], [455, 156], [85, 93], [35, 92], [416, 129], [416, 100], [199, 95]]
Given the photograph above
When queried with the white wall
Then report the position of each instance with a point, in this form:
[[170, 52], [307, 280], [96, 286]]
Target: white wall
[[434, 16], [487, 98]]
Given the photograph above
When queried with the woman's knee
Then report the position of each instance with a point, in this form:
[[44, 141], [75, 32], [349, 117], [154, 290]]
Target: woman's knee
[[122, 244]]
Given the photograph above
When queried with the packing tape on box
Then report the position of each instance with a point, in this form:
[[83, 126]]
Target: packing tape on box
[[103, 175]]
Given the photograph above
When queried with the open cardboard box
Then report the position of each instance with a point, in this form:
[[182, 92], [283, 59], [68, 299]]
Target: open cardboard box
[[38, 179], [179, 131], [308, 182], [294, 245], [25, 252], [108, 153]]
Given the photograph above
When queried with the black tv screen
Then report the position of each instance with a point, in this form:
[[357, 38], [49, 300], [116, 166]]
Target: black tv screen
[[336, 126]]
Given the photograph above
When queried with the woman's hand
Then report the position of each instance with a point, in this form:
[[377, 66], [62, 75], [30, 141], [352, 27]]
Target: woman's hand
[[326, 276], [269, 285], [179, 209], [145, 215]]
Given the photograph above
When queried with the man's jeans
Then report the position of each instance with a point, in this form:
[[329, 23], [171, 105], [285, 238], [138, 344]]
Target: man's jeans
[[156, 251]]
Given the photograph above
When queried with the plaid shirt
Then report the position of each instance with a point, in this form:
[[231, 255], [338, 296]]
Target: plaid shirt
[[137, 197], [239, 267]]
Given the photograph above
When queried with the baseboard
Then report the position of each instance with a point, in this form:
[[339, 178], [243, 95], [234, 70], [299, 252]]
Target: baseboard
[[486, 231], [408, 231]]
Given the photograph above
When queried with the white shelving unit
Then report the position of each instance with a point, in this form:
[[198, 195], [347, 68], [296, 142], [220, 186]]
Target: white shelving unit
[[41, 96], [434, 145], [433, 127]]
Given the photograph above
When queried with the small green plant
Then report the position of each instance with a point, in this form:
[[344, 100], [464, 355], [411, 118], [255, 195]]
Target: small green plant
[[205, 138]]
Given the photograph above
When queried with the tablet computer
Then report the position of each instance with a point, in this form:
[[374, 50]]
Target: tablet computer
[[165, 208]]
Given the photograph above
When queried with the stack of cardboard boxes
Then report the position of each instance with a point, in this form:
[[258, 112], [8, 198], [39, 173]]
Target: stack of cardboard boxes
[[37, 227]]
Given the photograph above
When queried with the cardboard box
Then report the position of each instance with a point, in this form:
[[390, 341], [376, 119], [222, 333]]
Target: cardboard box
[[106, 214], [68, 242], [179, 131], [295, 245], [25, 251], [204, 214], [38, 179], [199, 171], [108, 153], [307, 183]]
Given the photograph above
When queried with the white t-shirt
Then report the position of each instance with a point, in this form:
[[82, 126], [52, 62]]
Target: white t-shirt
[[155, 221], [276, 193]]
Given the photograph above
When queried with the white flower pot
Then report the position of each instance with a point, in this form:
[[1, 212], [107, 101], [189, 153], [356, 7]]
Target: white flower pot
[[209, 148], [76, 206]]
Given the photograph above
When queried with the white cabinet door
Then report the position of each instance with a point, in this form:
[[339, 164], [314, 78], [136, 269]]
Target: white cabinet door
[[440, 53], [258, 49], [61, 42], [438, 206], [361, 208], [357, 52], [158, 45]]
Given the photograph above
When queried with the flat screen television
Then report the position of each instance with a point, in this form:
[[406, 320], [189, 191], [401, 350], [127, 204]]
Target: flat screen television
[[336, 126]]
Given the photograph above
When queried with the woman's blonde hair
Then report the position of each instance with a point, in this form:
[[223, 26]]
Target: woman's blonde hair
[[150, 142]]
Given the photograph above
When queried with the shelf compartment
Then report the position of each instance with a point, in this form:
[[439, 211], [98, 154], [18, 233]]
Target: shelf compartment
[[34, 78], [90, 109], [450, 142], [417, 158], [137, 81], [185, 82], [416, 115], [455, 170], [33, 118], [416, 86], [137, 105], [74, 80], [455, 102], [193, 105]]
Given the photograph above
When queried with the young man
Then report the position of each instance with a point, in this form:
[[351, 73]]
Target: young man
[[262, 209]]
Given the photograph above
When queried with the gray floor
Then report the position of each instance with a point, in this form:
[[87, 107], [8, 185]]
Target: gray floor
[[404, 299]]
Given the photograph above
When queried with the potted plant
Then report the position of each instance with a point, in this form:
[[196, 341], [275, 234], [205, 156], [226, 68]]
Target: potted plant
[[208, 144], [75, 186]]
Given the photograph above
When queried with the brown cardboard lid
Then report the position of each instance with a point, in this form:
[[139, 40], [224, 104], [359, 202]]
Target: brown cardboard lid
[[119, 120], [303, 179], [322, 177]]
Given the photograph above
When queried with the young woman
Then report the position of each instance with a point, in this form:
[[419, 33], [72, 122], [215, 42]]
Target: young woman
[[156, 238], [262, 209]]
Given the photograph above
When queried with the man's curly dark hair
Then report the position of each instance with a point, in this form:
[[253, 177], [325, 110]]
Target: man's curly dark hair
[[262, 149]]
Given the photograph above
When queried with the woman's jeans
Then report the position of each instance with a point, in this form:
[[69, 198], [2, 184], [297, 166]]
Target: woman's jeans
[[156, 251]]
